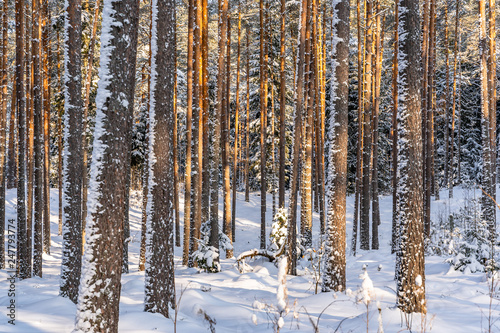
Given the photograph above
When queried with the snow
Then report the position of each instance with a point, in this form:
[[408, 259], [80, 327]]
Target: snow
[[243, 302]]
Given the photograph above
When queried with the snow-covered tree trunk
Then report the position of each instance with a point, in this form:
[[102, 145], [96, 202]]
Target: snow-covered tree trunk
[[23, 260], [282, 143], [72, 157], [99, 294], [410, 256], [365, 197], [160, 287], [394, 132], [38, 142], [299, 98], [189, 134], [334, 272], [487, 204], [263, 111]]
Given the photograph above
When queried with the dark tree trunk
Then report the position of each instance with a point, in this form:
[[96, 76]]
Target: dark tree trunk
[[160, 287]]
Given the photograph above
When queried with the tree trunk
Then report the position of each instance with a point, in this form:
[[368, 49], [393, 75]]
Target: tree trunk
[[23, 260], [367, 139], [281, 198], [226, 181], [394, 133], [38, 140], [110, 165], [160, 286], [189, 126], [299, 98], [410, 255], [72, 201], [236, 128], [454, 107], [263, 110], [487, 205], [88, 84], [44, 15], [247, 125], [334, 275]]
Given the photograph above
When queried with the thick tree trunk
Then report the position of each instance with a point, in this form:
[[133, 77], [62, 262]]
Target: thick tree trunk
[[72, 201], [247, 123], [160, 286], [110, 165], [334, 275], [410, 256]]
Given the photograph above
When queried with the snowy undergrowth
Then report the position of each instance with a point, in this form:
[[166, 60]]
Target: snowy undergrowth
[[456, 301]]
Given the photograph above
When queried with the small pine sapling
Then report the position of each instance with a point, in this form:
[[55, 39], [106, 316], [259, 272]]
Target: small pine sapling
[[207, 257]]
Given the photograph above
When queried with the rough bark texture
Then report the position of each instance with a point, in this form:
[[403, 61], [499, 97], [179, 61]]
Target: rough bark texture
[[98, 300], [73, 159], [410, 255], [160, 287], [282, 145], [394, 133], [38, 142], [23, 261], [263, 111], [334, 274]]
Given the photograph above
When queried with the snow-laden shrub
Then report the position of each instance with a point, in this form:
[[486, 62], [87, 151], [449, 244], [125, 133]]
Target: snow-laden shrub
[[464, 237], [207, 256], [279, 230]]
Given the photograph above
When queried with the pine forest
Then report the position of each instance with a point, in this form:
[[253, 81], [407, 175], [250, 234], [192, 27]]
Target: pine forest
[[249, 166]]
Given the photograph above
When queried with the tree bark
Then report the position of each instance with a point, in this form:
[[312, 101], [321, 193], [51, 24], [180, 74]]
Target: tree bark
[[110, 163], [410, 255], [160, 286], [334, 275]]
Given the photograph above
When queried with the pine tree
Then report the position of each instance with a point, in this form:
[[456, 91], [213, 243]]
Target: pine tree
[[73, 159], [24, 270], [98, 299], [334, 272], [410, 255], [160, 287]]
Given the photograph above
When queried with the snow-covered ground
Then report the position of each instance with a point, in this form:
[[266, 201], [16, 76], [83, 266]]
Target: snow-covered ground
[[246, 302]]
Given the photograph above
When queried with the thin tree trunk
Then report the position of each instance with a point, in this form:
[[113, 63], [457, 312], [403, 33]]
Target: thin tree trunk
[[379, 51], [247, 124], [226, 181], [46, 123], [60, 115], [38, 139], [394, 133], [492, 89], [367, 110], [454, 107], [22, 244], [189, 126], [447, 164], [299, 98], [205, 204], [88, 84], [236, 128], [359, 148], [282, 145]]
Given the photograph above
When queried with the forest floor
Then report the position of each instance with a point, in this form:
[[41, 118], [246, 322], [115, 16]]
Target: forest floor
[[246, 302]]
